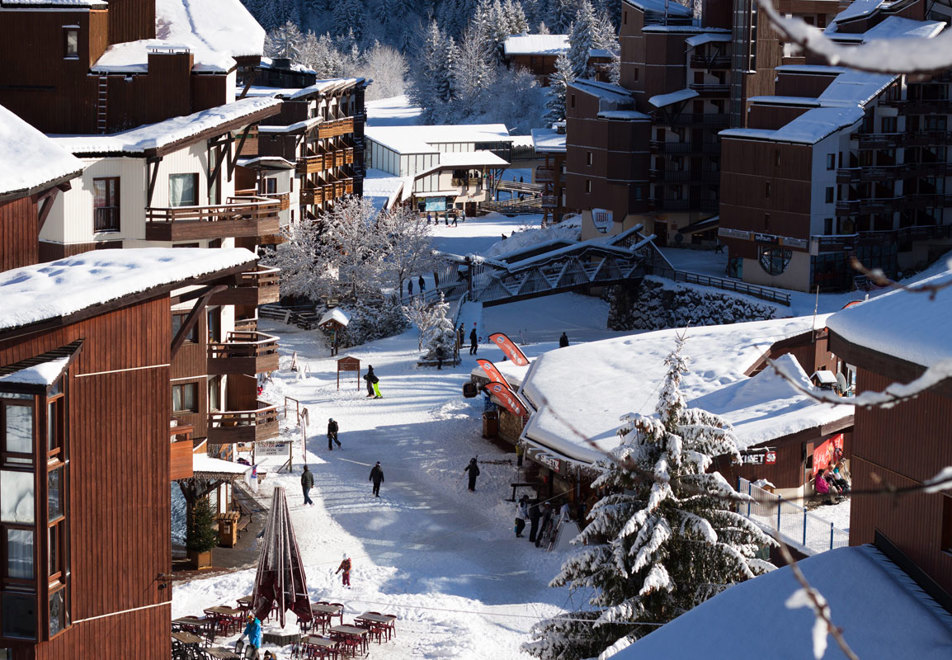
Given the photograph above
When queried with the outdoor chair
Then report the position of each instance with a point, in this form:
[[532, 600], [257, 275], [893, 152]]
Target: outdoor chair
[[392, 626]]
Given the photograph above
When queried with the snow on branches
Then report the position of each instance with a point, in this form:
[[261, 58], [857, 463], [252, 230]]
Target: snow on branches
[[663, 538]]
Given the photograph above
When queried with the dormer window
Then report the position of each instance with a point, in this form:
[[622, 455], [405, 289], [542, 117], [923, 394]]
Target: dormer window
[[70, 43]]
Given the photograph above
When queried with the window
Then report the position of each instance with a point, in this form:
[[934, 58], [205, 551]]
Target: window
[[17, 420], [183, 190], [271, 185], [177, 321], [214, 394], [71, 43], [572, 100], [106, 204], [185, 397], [19, 615], [636, 74], [588, 185], [767, 190], [827, 226], [888, 124], [777, 157], [830, 161], [774, 260], [624, 18], [588, 158], [946, 539], [830, 195]]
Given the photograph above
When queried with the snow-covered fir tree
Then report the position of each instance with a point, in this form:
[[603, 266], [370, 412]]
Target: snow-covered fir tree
[[559, 80], [583, 37], [349, 16], [515, 17], [433, 79], [320, 54], [284, 41], [561, 15], [441, 337], [665, 536]]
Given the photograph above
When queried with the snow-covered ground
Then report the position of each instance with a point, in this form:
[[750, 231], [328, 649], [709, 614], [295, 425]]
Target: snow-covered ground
[[394, 111]]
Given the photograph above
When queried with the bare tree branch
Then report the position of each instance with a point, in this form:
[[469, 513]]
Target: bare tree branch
[[877, 277]]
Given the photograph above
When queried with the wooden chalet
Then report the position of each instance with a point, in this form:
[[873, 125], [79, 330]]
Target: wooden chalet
[[86, 360], [87, 66], [537, 53], [890, 339]]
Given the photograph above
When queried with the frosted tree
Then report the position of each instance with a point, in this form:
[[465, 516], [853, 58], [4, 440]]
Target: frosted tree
[[583, 37], [515, 17], [433, 83], [405, 240], [663, 539], [387, 67], [284, 41], [320, 54], [441, 337], [561, 15], [420, 314], [348, 16], [474, 71], [543, 28], [559, 80]]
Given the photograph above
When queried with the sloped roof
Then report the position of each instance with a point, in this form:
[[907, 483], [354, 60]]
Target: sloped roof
[[30, 161], [535, 44], [205, 22]]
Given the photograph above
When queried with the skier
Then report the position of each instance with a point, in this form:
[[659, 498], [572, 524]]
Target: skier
[[422, 284], [535, 512], [522, 512], [332, 434], [253, 632], [345, 567], [473, 341], [376, 476], [473, 470], [372, 388], [307, 483], [563, 340]]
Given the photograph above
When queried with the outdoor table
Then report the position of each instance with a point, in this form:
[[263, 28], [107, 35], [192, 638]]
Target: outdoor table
[[324, 612], [196, 625], [186, 637], [244, 603], [352, 634], [321, 645], [378, 623], [230, 617], [222, 654]]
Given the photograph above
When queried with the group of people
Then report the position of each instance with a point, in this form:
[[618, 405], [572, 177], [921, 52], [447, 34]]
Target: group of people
[[832, 482], [447, 218], [543, 520]]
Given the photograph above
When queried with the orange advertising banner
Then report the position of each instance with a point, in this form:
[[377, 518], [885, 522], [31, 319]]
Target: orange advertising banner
[[507, 398], [511, 350], [493, 372], [828, 453]]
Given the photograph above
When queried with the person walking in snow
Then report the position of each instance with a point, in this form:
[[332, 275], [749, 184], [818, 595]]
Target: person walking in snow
[[307, 483], [409, 287], [563, 340], [473, 470], [332, 434], [535, 513], [522, 512], [545, 526], [373, 389], [376, 476], [460, 337], [253, 632], [345, 568], [473, 340], [422, 284]]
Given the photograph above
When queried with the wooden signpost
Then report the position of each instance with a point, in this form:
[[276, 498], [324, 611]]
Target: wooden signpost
[[348, 363]]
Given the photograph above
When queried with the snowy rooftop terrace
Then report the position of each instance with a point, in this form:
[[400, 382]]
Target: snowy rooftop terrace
[[59, 288], [205, 23], [29, 159], [591, 385], [133, 56], [170, 132], [907, 325], [880, 610], [548, 140], [294, 93], [535, 44]]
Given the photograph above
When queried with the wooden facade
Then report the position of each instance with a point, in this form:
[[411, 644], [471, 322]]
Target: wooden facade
[[18, 232]]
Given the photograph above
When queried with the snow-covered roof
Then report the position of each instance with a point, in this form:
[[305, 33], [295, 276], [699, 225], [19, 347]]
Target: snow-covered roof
[[855, 88], [823, 69], [809, 128], [708, 37], [477, 158], [420, 139], [804, 101], [172, 132], [44, 373], [535, 44], [133, 56], [203, 463], [676, 28], [661, 7], [897, 27], [625, 115], [610, 97], [59, 288], [824, 376], [907, 325], [223, 26], [662, 100], [29, 160], [294, 93], [548, 140], [858, 8], [622, 375], [335, 314], [266, 162], [268, 63], [385, 186], [880, 610]]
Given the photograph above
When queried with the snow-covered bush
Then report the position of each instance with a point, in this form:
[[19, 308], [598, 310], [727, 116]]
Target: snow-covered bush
[[664, 537], [656, 304], [441, 337], [372, 320]]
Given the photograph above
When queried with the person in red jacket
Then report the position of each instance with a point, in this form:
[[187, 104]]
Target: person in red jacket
[[345, 567]]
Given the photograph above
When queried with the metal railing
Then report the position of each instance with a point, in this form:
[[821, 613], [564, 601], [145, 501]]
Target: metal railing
[[791, 521], [762, 292]]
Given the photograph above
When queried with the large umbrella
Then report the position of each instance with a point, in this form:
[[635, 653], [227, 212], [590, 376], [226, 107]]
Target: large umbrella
[[280, 582]]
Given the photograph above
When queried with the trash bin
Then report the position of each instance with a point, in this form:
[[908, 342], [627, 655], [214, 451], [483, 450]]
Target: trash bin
[[490, 424], [228, 529]]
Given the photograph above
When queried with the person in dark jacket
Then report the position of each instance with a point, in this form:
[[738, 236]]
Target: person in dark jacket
[[460, 336], [410, 287], [563, 340], [376, 476], [473, 470], [545, 525], [535, 512], [372, 388], [422, 284], [522, 512], [307, 483], [473, 341], [345, 569], [332, 434]]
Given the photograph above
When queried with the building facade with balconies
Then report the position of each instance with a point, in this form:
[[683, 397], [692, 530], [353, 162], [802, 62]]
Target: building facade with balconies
[[837, 165]]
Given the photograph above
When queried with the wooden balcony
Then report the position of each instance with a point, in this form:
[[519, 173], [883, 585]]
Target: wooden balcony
[[312, 195], [544, 174], [240, 217], [243, 425], [349, 155], [314, 164], [243, 353], [257, 287], [180, 452], [335, 127]]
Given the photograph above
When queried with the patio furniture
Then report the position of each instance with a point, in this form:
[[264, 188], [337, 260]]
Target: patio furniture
[[378, 624], [316, 646], [351, 639], [202, 626], [229, 619], [324, 612]]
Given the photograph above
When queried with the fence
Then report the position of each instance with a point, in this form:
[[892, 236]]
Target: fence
[[794, 523], [764, 293]]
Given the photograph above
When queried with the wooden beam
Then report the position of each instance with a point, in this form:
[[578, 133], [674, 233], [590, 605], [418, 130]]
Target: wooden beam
[[192, 318], [46, 203], [152, 168], [213, 176], [241, 143]]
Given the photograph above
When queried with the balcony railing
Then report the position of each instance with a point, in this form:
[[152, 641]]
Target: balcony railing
[[706, 62], [711, 119], [314, 163], [106, 218], [257, 287], [921, 106], [704, 205], [550, 202], [891, 172], [335, 127], [893, 204], [684, 176], [663, 147], [711, 89], [894, 140], [312, 195], [243, 425], [243, 353], [544, 174], [349, 155], [240, 217]]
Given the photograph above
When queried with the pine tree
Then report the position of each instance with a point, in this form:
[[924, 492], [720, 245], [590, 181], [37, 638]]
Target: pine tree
[[583, 37], [561, 15], [200, 533], [441, 340], [664, 538], [433, 84], [348, 16], [284, 41], [515, 17], [559, 80]]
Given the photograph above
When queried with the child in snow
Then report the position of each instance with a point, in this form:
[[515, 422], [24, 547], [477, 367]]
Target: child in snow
[[473, 470], [345, 567]]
